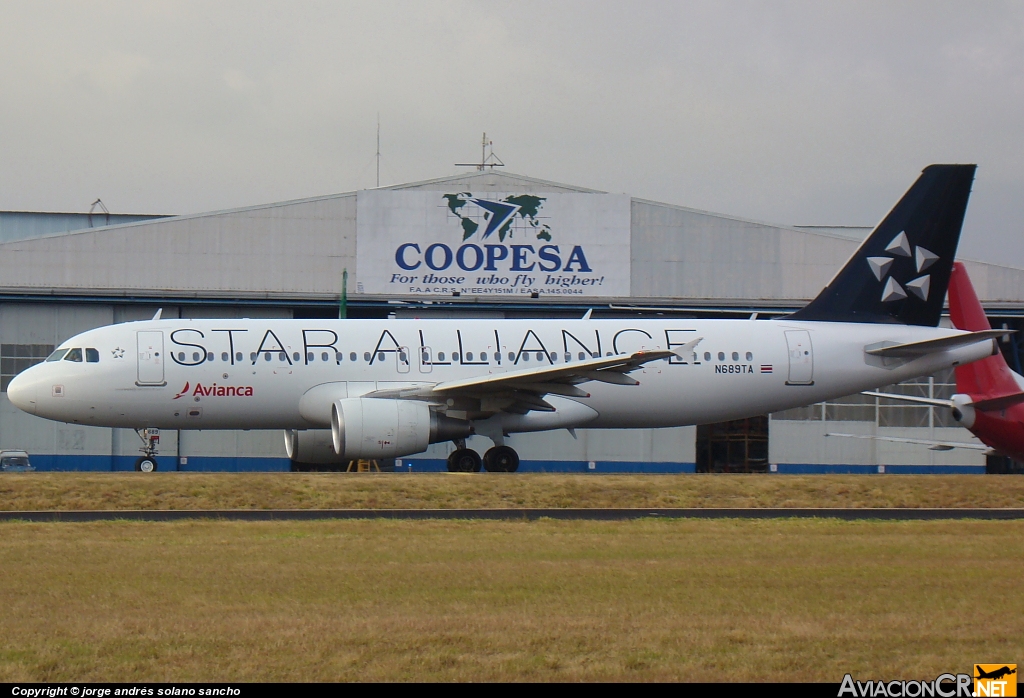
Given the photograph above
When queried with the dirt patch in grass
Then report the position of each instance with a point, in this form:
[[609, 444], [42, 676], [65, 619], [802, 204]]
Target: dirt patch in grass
[[723, 600], [79, 491]]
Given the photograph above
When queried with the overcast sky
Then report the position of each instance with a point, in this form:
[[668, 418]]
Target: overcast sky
[[795, 113]]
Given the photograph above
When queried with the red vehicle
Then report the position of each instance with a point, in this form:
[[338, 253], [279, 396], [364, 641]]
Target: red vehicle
[[989, 399]]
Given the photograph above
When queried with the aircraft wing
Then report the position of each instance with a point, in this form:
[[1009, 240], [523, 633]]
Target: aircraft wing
[[912, 350], [930, 443], [522, 390]]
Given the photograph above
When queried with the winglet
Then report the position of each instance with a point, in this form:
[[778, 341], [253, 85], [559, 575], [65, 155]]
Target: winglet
[[159, 312], [590, 311]]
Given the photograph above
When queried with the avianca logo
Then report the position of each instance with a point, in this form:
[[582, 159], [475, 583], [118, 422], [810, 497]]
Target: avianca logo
[[216, 391]]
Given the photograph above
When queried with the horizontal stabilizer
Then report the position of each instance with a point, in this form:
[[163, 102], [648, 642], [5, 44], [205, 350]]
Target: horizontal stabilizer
[[912, 350], [994, 404], [931, 444], [934, 402]]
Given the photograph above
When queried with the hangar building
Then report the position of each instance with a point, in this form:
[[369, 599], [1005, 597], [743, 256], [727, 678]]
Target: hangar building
[[61, 274]]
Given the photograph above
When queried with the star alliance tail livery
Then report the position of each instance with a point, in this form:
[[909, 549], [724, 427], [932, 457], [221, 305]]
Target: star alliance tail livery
[[348, 389]]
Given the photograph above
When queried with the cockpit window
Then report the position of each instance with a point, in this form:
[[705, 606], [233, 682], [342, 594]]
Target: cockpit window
[[92, 355], [57, 355], [74, 355]]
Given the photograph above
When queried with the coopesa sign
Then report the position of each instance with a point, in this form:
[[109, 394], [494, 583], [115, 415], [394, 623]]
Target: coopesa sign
[[438, 243]]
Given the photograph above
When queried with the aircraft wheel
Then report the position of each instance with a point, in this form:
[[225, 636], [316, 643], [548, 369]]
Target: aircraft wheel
[[146, 464], [464, 460], [501, 459]]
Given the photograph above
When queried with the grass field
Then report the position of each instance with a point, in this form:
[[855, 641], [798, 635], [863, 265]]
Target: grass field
[[720, 600], [37, 491]]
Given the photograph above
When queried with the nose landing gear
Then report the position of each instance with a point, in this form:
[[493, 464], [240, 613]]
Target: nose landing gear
[[150, 443]]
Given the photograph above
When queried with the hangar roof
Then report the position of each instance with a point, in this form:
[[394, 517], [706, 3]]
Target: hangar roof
[[298, 249]]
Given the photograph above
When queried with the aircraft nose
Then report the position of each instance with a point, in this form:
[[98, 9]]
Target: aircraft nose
[[22, 393]]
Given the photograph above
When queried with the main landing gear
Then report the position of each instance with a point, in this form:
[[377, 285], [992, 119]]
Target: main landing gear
[[500, 459], [150, 443]]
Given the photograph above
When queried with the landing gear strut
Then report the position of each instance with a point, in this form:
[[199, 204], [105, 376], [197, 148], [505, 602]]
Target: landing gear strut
[[501, 459], [150, 443]]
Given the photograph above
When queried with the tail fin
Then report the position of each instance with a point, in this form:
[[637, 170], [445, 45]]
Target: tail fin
[[989, 377], [900, 272]]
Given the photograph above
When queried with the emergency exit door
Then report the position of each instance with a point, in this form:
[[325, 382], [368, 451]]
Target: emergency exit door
[[151, 358], [801, 357]]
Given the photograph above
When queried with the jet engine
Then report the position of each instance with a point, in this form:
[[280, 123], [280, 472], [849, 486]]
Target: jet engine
[[963, 410], [386, 428], [311, 446]]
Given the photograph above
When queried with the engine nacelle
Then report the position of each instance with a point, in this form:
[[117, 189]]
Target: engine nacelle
[[963, 410], [384, 428], [313, 446]]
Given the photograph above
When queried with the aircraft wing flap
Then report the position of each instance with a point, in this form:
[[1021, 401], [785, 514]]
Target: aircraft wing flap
[[911, 350], [611, 369]]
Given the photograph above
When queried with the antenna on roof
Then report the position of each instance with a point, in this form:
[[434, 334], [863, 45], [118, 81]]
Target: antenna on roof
[[487, 159], [103, 208]]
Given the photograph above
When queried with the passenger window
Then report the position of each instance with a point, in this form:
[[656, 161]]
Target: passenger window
[[721, 356], [455, 356], [281, 356], [402, 357], [92, 356], [310, 359], [266, 356], [323, 357], [568, 357], [511, 356], [540, 356], [750, 356], [440, 356], [707, 356], [209, 356], [380, 356], [74, 355], [57, 355], [735, 356], [366, 356], [469, 356], [526, 356], [295, 356], [252, 356], [497, 356], [338, 357], [352, 356], [582, 356], [238, 356], [223, 356]]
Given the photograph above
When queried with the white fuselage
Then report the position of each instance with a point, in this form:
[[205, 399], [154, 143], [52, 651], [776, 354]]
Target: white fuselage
[[254, 374]]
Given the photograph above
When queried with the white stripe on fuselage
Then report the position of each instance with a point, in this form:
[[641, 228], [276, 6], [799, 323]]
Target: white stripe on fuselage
[[264, 393]]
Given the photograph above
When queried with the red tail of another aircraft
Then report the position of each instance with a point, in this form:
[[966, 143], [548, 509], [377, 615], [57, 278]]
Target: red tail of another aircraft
[[989, 377]]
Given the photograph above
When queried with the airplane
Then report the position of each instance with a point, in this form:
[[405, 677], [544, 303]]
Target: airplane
[[989, 399], [377, 389]]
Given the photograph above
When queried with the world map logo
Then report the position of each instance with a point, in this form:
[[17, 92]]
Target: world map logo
[[504, 217]]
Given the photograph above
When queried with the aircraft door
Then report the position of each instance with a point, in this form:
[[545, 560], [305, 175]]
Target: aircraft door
[[403, 359], [801, 357], [426, 360], [151, 358]]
